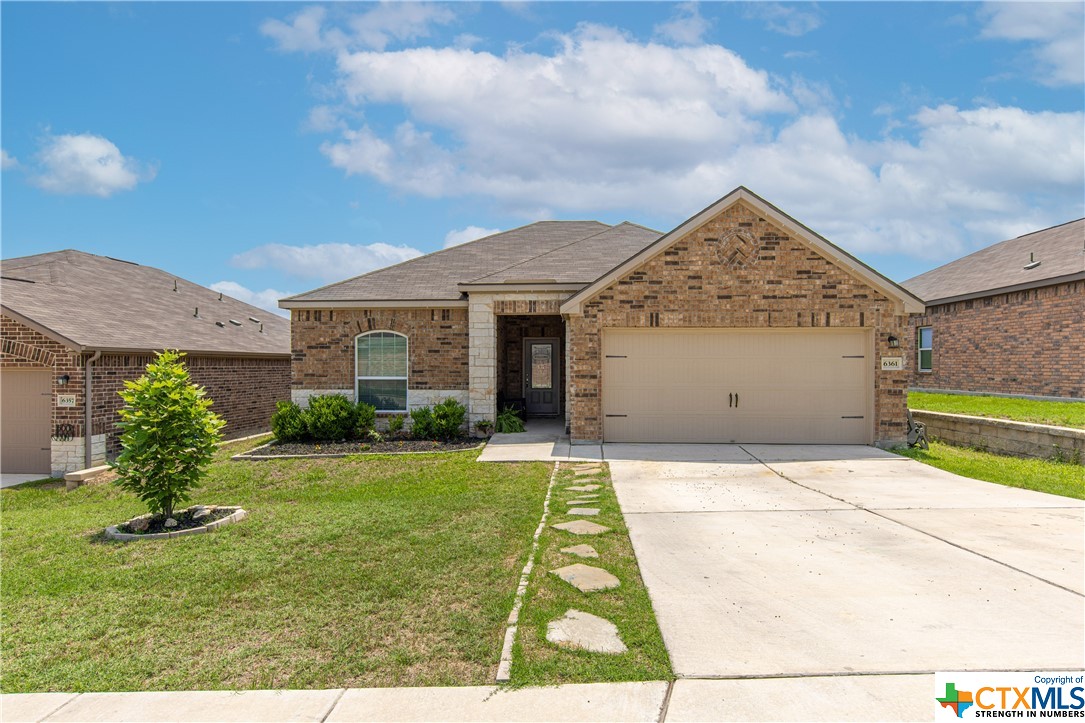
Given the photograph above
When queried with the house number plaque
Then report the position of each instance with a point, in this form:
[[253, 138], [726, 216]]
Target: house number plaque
[[892, 363]]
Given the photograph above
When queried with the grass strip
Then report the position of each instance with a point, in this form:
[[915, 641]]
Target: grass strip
[[539, 662], [1059, 414], [1057, 478]]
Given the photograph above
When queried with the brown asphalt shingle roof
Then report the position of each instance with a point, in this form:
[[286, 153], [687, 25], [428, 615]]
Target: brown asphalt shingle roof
[[582, 261], [97, 302], [1060, 251], [565, 251]]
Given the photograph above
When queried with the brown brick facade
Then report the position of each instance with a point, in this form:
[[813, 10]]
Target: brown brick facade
[[736, 271], [244, 389], [1025, 342], [322, 343]]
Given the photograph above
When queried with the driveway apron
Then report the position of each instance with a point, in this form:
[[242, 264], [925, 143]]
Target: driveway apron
[[777, 560]]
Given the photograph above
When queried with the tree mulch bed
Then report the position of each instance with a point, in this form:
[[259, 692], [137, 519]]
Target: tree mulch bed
[[359, 447], [185, 520]]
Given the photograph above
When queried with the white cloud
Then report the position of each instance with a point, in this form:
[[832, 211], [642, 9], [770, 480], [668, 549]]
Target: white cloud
[[791, 19], [376, 28], [324, 262], [686, 26], [587, 122], [604, 122], [87, 164], [7, 161], [1057, 30], [267, 299], [302, 33], [471, 233]]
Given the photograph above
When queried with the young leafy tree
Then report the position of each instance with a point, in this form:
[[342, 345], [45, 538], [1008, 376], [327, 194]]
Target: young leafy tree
[[169, 434]]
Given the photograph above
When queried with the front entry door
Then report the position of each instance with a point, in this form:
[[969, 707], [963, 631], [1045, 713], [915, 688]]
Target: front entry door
[[541, 365]]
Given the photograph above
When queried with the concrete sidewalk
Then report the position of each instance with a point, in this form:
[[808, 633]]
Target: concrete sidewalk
[[836, 698]]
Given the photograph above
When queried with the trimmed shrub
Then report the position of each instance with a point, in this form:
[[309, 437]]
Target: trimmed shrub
[[448, 417], [288, 422], [395, 424], [367, 419], [169, 434], [331, 418], [422, 426]]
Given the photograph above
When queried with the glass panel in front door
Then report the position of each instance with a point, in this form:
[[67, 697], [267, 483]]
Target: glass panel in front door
[[542, 366]]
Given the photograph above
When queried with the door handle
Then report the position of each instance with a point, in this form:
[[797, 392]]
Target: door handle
[[730, 400], [736, 400]]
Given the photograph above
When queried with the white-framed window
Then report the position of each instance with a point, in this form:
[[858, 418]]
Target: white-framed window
[[380, 363], [925, 348]]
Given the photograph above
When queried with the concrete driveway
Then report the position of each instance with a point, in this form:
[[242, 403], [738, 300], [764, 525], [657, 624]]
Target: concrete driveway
[[771, 560]]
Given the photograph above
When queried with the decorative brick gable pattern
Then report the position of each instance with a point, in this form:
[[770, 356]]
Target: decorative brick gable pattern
[[736, 271], [1025, 342], [322, 344]]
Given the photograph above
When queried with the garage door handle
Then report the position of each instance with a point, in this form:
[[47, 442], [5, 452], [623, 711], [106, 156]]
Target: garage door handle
[[736, 400], [616, 415], [730, 400]]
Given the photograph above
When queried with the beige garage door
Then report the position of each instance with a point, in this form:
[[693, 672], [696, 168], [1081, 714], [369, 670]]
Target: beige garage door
[[809, 386], [25, 415]]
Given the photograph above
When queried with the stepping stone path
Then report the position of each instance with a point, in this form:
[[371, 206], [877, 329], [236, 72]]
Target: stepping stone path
[[580, 551], [583, 500], [584, 631], [585, 488], [584, 511], [586, 578], [581, 527]]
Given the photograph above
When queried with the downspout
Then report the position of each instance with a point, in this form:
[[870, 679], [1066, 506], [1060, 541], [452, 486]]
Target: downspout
[[88, 417]]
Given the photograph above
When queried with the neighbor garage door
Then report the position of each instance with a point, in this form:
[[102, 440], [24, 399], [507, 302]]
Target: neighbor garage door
[[25, 413], [810, 386]]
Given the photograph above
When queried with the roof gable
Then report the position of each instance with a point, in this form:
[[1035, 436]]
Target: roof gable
[[831, 252], [96, 302], [1040, 258]]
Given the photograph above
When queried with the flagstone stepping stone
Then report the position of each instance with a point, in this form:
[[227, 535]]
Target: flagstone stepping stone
[[586, 578], [585, 488], [580, 551], [583, 501], [584, 511], [584, 631], [581, 527]]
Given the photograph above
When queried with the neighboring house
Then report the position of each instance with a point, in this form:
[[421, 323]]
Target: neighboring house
[[740, 325], [1008, 319], [75, 325]]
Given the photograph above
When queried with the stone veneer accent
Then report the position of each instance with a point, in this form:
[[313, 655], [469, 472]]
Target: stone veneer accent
[[736, 271], [1023, 342]]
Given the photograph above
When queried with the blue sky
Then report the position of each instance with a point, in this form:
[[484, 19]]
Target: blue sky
[[268, 148]]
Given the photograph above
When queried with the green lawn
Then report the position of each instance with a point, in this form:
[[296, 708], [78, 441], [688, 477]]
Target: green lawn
[[1058, 478], [363, 571], [538, 662], [1061, 414]]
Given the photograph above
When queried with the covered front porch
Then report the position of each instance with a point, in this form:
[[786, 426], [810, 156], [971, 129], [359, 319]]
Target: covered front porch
[[531, 365]]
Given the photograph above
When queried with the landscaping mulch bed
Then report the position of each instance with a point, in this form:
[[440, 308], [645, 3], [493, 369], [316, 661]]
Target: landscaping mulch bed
[[359, 447], [184, 518]]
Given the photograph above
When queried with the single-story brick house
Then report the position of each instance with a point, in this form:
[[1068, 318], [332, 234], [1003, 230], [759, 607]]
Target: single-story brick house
[[1007, 319], [75, 326], [740, 325]]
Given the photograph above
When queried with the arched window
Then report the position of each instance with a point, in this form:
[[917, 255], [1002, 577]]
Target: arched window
[[381, 370]]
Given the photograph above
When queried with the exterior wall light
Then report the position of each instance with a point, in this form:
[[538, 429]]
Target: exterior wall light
[[63, 379], [894, 342]]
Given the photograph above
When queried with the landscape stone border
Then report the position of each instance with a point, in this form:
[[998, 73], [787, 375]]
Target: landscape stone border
[[237, 515], [250, 457]]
